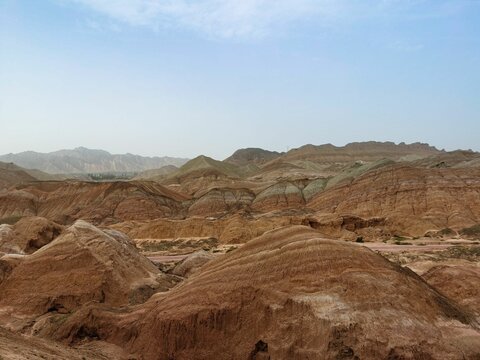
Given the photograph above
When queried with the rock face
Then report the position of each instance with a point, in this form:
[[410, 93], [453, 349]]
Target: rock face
[[291, 295], [82, 265], [413, 200], [28, 235], [101, 202]]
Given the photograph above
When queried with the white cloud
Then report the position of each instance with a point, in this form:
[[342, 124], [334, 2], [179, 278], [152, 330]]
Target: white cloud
[[258, 18], [218, 18]]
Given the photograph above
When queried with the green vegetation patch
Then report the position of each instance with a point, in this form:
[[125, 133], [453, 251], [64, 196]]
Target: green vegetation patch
[[471, 253], [471, 231], [10, 220]]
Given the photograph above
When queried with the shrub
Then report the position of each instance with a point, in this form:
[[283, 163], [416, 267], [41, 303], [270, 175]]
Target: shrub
[[471, 231]]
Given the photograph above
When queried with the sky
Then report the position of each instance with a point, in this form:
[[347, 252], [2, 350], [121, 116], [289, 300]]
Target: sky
[[183, 77]]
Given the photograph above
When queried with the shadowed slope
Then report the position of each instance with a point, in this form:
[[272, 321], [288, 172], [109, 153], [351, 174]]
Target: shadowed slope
[[252, 156], [11, 174]]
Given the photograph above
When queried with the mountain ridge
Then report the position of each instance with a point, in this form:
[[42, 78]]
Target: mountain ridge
[[84, 160]]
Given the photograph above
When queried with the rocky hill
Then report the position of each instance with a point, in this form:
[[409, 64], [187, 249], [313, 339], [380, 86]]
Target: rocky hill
[[267, 300], [98, 202], [82, 160], [409, 199], [82, 265], [11, 174], [254, 156]]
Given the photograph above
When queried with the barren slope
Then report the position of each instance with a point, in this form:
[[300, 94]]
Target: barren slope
[[291, 295], [101, 202], [411, 200], [82, 265]]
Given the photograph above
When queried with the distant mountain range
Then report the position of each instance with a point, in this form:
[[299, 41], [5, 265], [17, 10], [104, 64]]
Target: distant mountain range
[[241, 163], [82, 160]]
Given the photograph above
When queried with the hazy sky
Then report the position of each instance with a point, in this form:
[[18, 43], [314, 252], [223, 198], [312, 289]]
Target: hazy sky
[[184, 77]]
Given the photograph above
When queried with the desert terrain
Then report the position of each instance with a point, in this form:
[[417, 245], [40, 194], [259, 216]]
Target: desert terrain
[[365, 251]]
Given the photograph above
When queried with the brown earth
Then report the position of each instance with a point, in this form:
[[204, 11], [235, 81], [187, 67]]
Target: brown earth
[[267, 299], [98, 202], [14, 346], [232, 229], [460, 283], [83, 265], [411, 200], [221, 201], [28, 235], [11, 174], [251, 156]]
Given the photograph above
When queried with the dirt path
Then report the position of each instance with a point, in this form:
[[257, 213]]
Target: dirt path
[[400, 248], [165, 258]]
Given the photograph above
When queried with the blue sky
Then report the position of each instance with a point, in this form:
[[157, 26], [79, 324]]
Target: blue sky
[[182, 78]]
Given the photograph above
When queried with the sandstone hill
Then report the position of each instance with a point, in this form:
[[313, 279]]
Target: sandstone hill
[[202, 173], [365, 151], [252, 156], [17, 347], [411, 200], [156, 174], [372, 189], [289, 294], [99, 202], [11, 174], [28, 235], [233, 229], [328, 160], [83, 265], [83, 160], [460, 283]]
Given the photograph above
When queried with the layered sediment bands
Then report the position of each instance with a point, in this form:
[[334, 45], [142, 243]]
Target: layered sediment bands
[[232, 229], [102, 202], [349, 227], [15, 346], [460, 283], [83, 264], [17, 203], [413, 200], [221, 201], [364, 151], [291, 295], [283, 195]]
